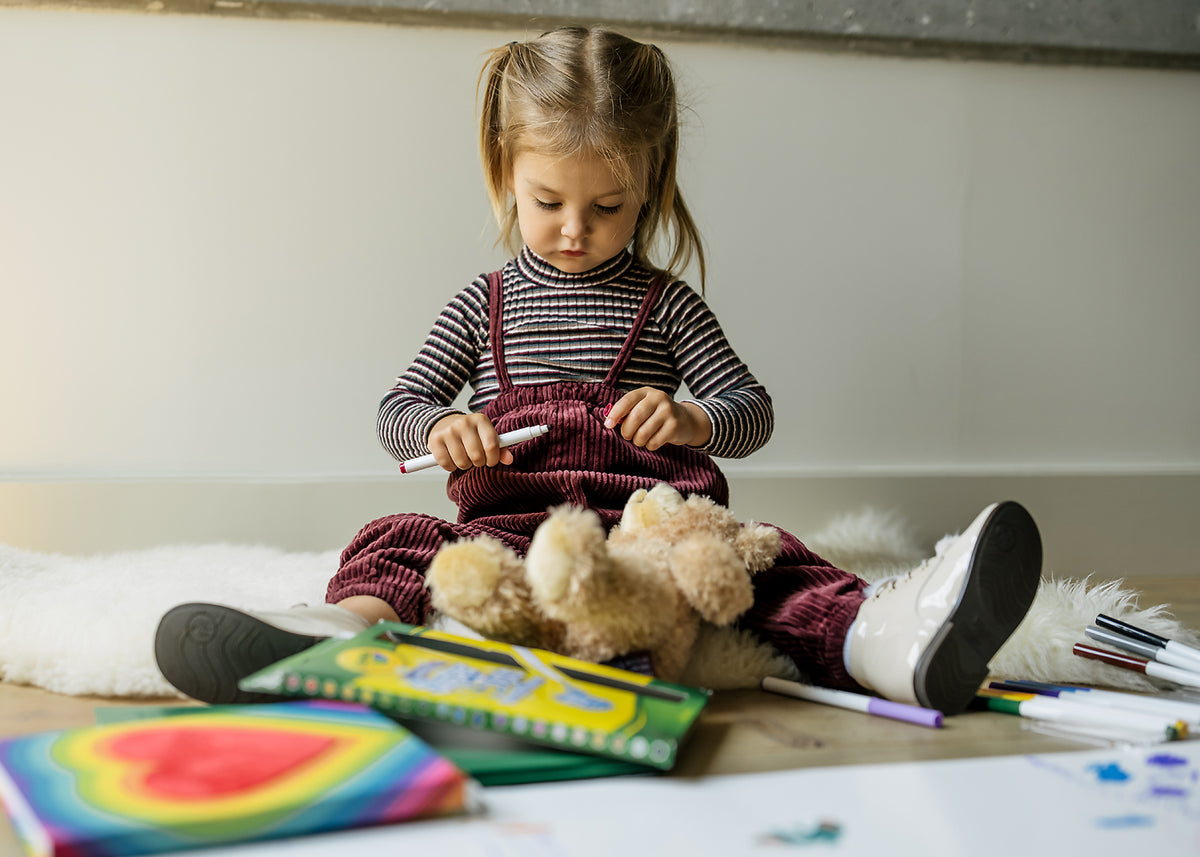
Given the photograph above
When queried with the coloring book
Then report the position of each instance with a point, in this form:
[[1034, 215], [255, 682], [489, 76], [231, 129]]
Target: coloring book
[[489, 758], [531, 694], [219, 776]]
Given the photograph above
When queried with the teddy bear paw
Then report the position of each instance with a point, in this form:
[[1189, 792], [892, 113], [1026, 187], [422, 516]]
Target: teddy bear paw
[[563, 553], [465, 574]]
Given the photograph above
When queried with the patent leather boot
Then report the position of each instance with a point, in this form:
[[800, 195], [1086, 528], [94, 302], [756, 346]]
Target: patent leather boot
[[926, 638]]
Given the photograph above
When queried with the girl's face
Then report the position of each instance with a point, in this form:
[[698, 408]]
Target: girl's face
[[572, 211]]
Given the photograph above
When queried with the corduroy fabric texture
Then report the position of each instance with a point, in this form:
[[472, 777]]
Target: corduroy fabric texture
[[803, 605]]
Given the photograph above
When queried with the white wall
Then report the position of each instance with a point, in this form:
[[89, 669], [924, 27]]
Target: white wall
[[221, 239]]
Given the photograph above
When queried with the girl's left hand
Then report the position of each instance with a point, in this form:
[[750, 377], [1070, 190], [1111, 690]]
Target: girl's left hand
[[650, 418]]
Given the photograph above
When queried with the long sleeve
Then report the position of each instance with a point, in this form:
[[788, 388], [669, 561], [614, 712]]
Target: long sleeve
[[738, 406], [571, 328], [425, 392]]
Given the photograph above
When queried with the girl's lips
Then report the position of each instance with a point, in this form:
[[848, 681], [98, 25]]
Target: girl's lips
[[574, 254]]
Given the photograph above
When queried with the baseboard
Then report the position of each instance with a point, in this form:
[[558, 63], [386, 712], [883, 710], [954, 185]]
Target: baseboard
[[1111, 526], [1108, 525]]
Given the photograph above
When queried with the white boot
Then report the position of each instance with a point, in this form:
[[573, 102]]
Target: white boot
[[204, 650], [926, 638]]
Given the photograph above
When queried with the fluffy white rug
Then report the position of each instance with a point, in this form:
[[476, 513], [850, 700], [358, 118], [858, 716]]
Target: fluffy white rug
[[875, 545], [85, 625]]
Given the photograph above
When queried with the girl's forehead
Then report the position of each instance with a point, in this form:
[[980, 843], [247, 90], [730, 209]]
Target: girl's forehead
[[581, 167]]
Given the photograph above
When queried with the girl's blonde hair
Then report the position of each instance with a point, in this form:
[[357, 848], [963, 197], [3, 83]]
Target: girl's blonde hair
[[594, 92]]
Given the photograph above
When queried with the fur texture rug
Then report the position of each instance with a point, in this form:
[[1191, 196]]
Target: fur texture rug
[[876, 545], [85, 625]]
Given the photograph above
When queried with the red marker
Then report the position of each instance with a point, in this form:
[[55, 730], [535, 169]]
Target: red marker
[[1130, 662]]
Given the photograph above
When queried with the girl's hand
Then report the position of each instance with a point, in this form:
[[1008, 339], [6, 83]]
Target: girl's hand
[[651, 419], [462, 441]]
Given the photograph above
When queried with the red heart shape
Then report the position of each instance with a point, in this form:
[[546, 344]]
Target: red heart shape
[[199, 763]]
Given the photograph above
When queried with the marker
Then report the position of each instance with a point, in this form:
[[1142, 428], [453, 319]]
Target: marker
[[1129, 662], [1178, 649], [855, 702], [506, 439], [1062, 711], [1145, 650], [1188, 712]]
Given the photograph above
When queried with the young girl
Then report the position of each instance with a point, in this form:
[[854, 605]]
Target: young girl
[[580, 331]]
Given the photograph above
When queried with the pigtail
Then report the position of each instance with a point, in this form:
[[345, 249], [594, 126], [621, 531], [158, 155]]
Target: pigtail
[[492, 144], [687, 241], [666, 215]]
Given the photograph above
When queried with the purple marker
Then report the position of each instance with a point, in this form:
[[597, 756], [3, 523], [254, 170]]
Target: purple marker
[[856, 702]]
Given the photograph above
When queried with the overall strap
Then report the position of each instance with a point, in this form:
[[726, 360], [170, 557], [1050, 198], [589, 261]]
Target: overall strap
[[495, 311], [652, 292]]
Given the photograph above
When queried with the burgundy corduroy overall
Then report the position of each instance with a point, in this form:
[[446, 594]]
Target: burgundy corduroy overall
[[803, 606]]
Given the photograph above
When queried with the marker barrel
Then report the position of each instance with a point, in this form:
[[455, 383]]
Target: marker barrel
[[1151, 652], [1188, 712], [424, 462], [1177, 649], [1129, 662], [856, 702], [1175, 674], [1185, 652], [1061, 711]]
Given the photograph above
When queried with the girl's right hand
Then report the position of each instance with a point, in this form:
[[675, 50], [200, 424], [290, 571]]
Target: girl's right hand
[[462, 441]]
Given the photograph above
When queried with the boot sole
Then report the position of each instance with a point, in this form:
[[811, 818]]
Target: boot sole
[[1006, 566], [203, 650]]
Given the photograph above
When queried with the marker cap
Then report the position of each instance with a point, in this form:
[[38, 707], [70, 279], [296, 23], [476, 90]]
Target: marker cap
[[910, 713]]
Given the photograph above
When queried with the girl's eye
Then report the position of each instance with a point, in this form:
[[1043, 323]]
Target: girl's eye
[[554, 206]]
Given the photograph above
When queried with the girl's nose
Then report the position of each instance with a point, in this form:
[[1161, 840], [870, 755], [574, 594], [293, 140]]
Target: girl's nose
[[574, 225]]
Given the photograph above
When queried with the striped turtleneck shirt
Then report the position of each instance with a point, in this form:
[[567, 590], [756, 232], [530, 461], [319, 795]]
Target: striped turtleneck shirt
[[570, 327]]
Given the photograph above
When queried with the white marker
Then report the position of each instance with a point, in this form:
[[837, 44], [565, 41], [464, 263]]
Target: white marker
[[506, 439]]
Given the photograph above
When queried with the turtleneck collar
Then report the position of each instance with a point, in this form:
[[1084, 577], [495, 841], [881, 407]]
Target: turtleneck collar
[[536, 269]]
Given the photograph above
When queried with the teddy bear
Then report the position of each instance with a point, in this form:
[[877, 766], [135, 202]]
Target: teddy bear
[[673, 576], [669, 566]]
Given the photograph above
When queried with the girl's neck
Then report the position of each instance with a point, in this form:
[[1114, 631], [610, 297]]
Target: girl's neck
[[533, 267]]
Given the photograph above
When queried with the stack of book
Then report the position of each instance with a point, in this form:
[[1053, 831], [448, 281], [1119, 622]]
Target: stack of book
[[368, 731]]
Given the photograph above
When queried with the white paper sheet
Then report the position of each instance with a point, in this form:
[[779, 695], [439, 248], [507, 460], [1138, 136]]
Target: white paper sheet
[[1132, 803]]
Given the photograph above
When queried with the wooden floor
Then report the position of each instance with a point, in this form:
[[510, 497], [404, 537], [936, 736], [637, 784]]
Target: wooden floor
[[739, 731]]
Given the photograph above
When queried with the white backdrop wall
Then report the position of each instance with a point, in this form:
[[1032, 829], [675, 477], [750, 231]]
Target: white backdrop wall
[[221, 239]]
